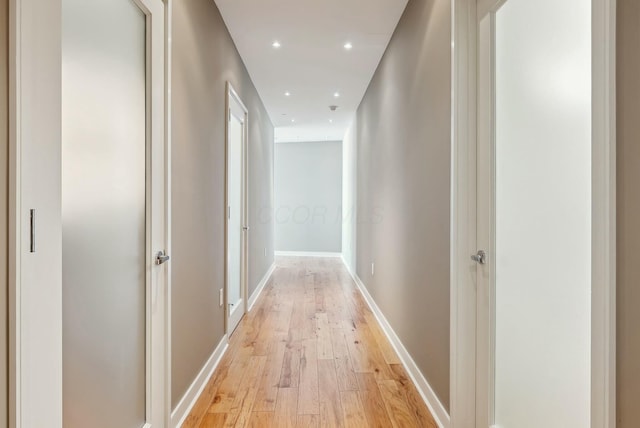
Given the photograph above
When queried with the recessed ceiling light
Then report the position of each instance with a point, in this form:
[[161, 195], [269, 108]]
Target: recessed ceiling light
[[330, 120], [348, 46], [276, 44], [337, 94], [287, 94], [293, 120]]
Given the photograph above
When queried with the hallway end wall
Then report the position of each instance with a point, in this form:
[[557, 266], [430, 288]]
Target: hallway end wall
[[628, 223], [308, 196], [204, 58], [403, 156]]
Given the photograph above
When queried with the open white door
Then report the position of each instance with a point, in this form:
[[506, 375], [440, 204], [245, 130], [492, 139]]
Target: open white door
[[90, 204], [542, 306], [236, 218]]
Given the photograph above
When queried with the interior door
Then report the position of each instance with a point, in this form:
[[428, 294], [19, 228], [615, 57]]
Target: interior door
[[236, 210], [534, 214], [113, 210]]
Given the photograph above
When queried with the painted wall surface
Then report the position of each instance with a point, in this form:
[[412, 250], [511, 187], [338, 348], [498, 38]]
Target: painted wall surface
[[4, 155], [628, 221], [403, 186], [349, 197], [204, 59], [308, 196]]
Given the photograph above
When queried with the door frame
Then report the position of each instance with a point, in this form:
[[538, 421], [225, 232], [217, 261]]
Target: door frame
[[232, 95], [35, 279], [158, 216], [464, 295]]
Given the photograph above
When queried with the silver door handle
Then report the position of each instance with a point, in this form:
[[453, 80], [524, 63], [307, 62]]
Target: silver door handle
[[161, 258], [245, 228], [480, 257]]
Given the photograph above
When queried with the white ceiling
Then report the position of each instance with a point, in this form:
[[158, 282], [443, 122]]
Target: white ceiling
[[312, 63]]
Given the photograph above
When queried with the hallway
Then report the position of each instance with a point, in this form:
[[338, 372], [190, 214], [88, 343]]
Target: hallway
[[310, 354], [323, 213]]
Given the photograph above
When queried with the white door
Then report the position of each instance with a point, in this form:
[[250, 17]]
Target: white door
[[237, 227], [113, 214], [534, 214]]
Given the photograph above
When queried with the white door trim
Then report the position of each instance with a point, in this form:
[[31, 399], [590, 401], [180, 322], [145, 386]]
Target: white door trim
[[463, 216], [463, 213], [603, 311], [168, 7], [35, 280], [232, 95], [158, 225]]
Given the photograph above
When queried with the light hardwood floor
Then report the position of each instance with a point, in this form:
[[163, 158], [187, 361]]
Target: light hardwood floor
[[310, 354]]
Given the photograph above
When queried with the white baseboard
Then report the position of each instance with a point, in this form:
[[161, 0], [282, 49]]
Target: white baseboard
[[189, 399], [260, 287], [428, 395], [307, 254]]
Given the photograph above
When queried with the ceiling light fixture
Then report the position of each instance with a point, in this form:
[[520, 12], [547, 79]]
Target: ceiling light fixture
[[293, 120], [287, 94], [337, 94], [330, 120], [276, 44], [348, 46]]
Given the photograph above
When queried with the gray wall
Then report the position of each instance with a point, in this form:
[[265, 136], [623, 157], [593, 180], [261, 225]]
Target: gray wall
[[308, 196], [628, 65], [403, 191], [4, 156], [204, 59]]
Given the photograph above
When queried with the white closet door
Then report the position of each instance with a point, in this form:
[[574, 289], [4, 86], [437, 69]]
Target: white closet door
[[106, 213], [543, 214]]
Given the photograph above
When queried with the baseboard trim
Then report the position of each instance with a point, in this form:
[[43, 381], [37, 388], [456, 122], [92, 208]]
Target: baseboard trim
[[190, 398], [260, 287], [307, 254], [428, 395]]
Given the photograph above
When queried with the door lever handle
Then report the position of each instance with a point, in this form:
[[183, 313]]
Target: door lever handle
[[480, 257], [161, 258], [245, 228]]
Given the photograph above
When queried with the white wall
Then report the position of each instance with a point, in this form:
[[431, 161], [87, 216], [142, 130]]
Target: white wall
[[349, 195], [543, 214], [308, 196]]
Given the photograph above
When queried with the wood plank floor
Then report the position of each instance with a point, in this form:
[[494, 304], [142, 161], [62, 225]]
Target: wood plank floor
[[310, 354]]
